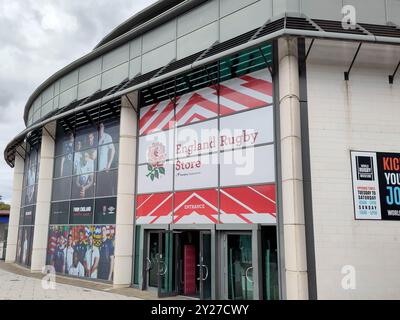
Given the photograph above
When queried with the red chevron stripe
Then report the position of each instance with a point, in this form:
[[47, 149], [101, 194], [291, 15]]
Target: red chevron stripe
[[168, 111], [249, 198], [238, 97], [194, 118], [196, 100], [145, 208], [259, 85], [145, 117], [196, 204]]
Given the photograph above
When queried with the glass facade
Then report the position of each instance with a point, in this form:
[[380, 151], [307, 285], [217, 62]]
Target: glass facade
[[83, 209], [28, 204], [208, 156]]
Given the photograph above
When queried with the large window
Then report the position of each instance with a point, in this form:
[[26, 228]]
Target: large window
[[83, 208], [28, 204], [208, 156]]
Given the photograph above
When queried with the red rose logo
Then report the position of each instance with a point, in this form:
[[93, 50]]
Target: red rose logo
[[156, 156]]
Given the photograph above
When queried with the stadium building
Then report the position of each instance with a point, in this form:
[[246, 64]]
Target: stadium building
[[220, 149]]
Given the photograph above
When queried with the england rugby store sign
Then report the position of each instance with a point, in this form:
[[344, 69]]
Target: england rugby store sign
[[376, 185], [209, 157]]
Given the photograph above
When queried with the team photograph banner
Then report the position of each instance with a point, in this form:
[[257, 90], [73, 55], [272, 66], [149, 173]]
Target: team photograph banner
[[85, 251], [376, 185]]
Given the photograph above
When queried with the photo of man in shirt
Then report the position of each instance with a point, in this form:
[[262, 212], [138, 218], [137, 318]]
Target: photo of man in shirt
[[77, 268], [80, 247], [31, 177], [106, 155], [106, 261], [58, 261], [91, 261], [68, 254], [84, 181], [66, 160]]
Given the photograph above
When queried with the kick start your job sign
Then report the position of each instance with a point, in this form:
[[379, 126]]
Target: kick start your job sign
[[376, 185]]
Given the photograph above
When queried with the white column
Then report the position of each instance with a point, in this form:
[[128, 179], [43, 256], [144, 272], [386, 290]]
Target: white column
[[39, 247], [13, 223], [126, 189], [292, 176]]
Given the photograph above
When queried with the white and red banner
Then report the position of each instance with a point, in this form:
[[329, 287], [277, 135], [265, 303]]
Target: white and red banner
[[245, 204], [157, 178], [192, 207], [196, 172], [154, 208], [219, 170], [246, 92], [247, 166], [249, 204]]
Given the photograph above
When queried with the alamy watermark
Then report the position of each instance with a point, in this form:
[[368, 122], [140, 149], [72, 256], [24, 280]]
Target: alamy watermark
[[349, 277], [49, 280], [349, 19]]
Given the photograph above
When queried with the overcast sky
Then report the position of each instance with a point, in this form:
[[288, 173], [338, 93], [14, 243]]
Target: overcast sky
[[37, 38]]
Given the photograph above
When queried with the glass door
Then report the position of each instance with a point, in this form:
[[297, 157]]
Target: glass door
[[166, 264], [240, 266], [205, 265], [151, 260]]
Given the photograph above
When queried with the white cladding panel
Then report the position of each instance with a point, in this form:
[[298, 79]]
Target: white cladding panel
[[90, 69], [135, 66], [361, 114], [159, 36], [114, 76], [68, 96], [198, 17], [229, 6], [332, 10], [198, 40], [369, 11], [69, 81], [158, 57], [89, 87], [135, 48], [247, 19], [116, 57], [393, 11]]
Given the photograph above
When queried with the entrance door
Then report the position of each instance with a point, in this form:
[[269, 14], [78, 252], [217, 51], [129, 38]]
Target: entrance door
[[166, 265], [240, 266], [205, 265], [151, 260]]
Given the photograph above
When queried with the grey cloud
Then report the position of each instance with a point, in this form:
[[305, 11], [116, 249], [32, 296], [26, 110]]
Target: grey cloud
[[37, 38]]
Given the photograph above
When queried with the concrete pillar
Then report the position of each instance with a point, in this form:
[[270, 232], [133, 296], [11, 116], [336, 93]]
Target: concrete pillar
[[13, 223], [126, 190], [292, 177], [45, 182]]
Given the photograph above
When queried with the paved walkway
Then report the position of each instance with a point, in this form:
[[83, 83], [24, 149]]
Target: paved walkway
[[17, 282], [17, 287]]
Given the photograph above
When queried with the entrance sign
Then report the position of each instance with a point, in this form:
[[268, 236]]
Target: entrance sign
[[376, 185]]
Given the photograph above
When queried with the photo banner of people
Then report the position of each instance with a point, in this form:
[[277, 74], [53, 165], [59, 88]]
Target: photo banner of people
[[24, 245], [82, 251]]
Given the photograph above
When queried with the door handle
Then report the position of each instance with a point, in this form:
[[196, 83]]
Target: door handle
[[247, 274], [206, 276], [199, 265], [206, 268], [164, 270], [149, 264]]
